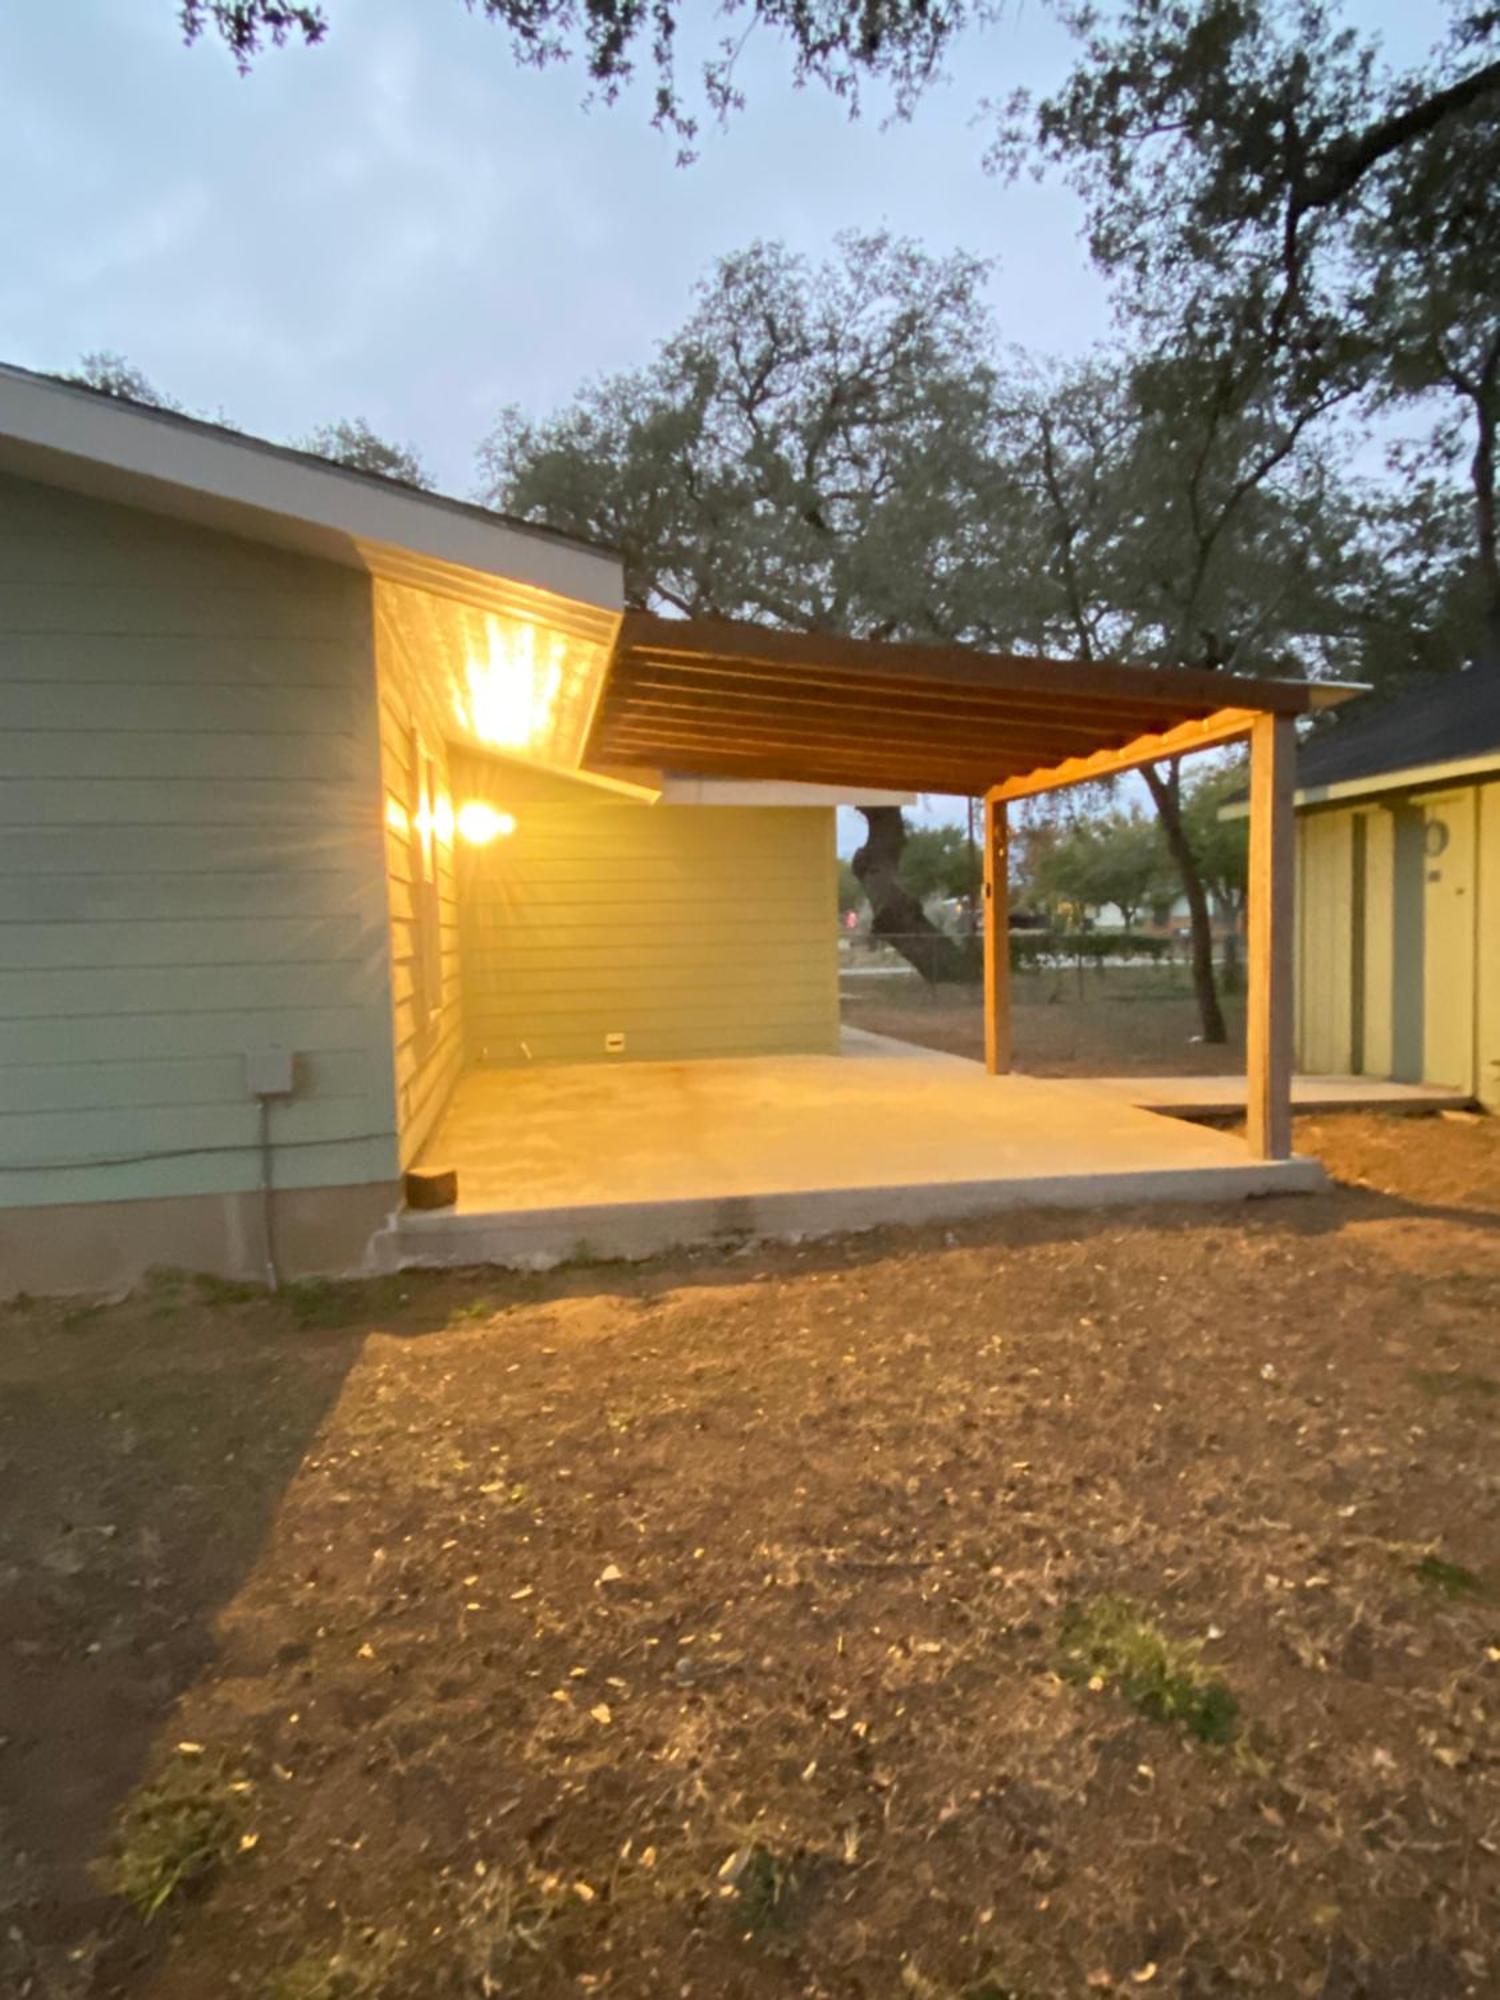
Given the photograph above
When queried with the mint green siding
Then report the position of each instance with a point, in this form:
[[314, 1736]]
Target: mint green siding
[[191, 858]]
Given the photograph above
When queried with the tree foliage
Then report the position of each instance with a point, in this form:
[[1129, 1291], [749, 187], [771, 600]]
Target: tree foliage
[[350, 441], [1222, 846], [808, 451], [941, 861], [803, 452], [112, 375], [1268, 194], [1118, 858], [898, 43]]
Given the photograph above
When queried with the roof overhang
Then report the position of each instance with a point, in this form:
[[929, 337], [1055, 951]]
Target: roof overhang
[[1410, 778], [743, 702], [113, 450]]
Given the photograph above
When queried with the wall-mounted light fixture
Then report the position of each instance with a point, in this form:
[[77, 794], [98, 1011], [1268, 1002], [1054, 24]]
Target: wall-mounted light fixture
[[479, 823]]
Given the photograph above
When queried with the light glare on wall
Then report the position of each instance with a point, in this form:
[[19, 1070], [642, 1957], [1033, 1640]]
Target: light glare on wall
[[479, 824]]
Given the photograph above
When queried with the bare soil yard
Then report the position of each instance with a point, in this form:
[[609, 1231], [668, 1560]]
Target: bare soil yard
[[1058, 1607], [1124, 1022]]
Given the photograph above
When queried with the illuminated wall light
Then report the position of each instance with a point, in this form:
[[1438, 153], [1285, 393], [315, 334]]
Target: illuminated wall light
[[513, 691], [395, 817], [479, 824], [442, 820]]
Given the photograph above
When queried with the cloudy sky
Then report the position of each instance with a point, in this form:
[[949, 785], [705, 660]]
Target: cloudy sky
[[401, 224]]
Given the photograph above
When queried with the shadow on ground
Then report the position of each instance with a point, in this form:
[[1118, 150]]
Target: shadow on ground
[[140, 1469]]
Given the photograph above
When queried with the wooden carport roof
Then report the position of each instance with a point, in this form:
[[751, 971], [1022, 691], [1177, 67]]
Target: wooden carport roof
[[730, 700]]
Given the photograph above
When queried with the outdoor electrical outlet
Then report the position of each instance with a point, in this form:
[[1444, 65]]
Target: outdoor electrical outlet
[[270, 1072], [614, 1045]]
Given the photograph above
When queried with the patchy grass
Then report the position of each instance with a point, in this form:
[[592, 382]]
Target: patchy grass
[[1448, 1579], [768, 1888], [366, 1964], [1462, 1383], [528, 1600], [178, 1832], [915, 1982], [1112, 1643]]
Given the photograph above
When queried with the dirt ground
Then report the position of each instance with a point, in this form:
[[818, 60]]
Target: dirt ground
[[1120, 1024], [1061, 1606]]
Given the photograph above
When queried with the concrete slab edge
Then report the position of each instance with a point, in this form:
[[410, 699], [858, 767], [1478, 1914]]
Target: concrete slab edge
[[542, 1238]]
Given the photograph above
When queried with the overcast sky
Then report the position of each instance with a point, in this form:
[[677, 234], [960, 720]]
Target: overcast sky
[[402, 225]]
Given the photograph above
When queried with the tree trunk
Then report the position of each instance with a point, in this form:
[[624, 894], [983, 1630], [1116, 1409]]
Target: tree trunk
[[1165, 794], [896, 915]]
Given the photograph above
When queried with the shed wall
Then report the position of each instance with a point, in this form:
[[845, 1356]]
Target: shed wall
[[1405, 961], [691, 930], [1379, 1055], [1487, 865], [1324, 943], [190, 859]]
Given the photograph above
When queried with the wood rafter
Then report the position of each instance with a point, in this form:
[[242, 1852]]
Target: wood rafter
[[719, 699]]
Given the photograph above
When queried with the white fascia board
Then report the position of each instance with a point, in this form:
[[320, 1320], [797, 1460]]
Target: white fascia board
[[677, 791], [1412, 777], [1406, 780], [112, 450]]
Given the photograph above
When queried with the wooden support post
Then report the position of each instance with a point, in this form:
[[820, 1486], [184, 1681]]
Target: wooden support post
[[1268, 1025], [996, 938]]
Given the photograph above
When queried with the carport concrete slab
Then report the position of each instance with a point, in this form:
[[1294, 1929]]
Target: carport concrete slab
[[1226, 1096], [636, 1158]]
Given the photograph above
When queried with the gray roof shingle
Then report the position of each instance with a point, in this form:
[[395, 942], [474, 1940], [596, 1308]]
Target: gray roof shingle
[[1443, 718]]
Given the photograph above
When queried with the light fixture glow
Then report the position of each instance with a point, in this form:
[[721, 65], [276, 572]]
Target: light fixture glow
[[442, 820], [513, 692], [479, 823]]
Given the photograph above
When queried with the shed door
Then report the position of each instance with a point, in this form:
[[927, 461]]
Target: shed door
[[1448, 926]]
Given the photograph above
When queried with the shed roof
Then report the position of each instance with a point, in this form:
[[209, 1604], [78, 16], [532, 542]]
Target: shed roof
[[1445, 719], [742, 701]]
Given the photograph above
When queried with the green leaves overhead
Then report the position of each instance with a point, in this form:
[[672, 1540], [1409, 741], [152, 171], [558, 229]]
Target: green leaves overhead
[[807, 450]]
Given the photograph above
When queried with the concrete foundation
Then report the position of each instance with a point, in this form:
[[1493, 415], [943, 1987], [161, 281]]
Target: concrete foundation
[[1225, 1096], [107, 1246], [566, 1161]]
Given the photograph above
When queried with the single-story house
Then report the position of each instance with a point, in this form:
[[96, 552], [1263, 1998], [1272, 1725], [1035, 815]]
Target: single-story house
[[323, 799], [1398, 889]]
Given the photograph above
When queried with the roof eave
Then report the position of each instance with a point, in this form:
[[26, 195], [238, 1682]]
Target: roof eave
[[118, 451]]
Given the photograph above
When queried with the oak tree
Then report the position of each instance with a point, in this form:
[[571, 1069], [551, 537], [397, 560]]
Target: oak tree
[[808, 451], [897, 43]]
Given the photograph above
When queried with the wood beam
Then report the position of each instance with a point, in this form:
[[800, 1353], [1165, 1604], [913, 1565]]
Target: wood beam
[[1268, 1022], [727, 642], [1020, 749], [911, 722], [828, 766], [748, 680], [1221, 727], [997, 1039]]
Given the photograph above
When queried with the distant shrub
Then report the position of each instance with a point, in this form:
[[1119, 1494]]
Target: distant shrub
[[1034, 950]]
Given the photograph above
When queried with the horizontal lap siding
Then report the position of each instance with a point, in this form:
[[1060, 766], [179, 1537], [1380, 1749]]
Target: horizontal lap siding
[[190, 859], [429, 1044], [1324, 942], [1487, 895], [692, 931]]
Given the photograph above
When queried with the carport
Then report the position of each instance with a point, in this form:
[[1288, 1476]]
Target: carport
[[736, 700], [629, 1160]]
